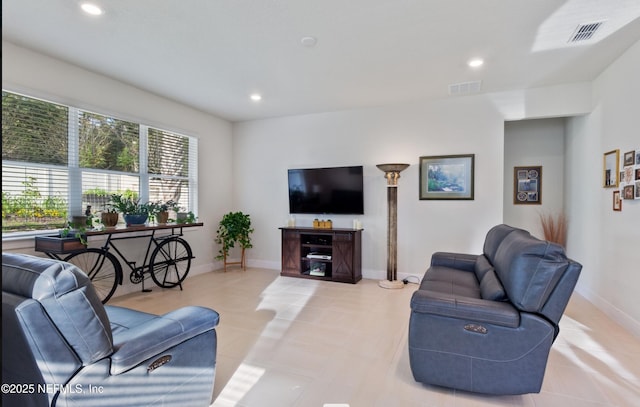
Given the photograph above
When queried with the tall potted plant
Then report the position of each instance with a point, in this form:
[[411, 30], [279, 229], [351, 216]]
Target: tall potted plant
[[235, 227]]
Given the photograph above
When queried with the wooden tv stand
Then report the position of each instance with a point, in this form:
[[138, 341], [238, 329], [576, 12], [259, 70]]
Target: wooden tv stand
[[324, 254]]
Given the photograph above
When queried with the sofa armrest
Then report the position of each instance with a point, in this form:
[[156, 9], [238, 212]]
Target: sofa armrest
[[460, 261], [466, 308], [156, 335]]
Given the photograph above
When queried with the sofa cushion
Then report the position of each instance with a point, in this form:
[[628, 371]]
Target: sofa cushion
[[451, 281], [529, 269], [490, 287], [482, 266], [495, 236]]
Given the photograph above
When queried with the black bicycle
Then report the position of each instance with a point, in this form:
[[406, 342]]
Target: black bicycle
[[167, 259]]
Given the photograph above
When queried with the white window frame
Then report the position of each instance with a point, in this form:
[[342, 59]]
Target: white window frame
[[75, 172]]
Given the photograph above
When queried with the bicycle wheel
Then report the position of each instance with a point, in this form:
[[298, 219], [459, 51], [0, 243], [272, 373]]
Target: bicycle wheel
[[170, 262], [102, 268]]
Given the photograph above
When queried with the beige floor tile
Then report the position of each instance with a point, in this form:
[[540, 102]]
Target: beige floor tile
[[294, 342]]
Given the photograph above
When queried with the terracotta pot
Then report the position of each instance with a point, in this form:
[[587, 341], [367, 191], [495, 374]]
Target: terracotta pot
[[109, 219], [162, 217]]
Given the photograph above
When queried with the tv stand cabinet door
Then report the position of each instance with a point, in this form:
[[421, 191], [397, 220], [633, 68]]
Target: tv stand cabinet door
[[291, 253], [346, 257]]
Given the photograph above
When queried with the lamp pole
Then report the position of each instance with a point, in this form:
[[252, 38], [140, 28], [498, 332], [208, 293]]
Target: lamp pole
[[391, 174]]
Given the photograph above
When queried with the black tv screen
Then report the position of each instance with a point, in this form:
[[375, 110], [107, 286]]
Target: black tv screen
[[336, 190]]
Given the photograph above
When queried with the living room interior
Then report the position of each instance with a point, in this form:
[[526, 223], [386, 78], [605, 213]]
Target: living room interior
[[340, 101]]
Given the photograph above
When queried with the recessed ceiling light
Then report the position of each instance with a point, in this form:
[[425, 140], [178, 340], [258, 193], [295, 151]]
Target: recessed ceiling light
[[309, 41], [256, 97], [91, 9], [474, 63]]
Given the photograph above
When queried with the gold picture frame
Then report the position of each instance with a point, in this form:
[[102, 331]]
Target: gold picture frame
[[611, 169]]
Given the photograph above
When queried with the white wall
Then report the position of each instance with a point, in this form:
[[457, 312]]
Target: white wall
[[538, 142], [37, 75], [248, 172], [263, 151], [604, 241]]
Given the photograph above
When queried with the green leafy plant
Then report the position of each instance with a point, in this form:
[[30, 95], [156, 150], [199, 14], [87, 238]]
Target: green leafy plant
[[235, 227], [159, 210], [128, 205], [79, 232], [159, 206]]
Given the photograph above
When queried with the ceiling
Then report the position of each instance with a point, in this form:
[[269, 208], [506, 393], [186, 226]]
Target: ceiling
[[213, 54]]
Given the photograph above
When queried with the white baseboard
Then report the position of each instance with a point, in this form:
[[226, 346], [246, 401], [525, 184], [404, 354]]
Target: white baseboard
[[610, 310], [264, 264], [382, 275]]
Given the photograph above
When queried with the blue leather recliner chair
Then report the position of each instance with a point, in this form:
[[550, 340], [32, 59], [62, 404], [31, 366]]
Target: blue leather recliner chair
[[62, 347], [485, 323]]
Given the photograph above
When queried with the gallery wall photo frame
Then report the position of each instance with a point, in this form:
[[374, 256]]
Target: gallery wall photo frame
[[617, 202], [629, 183], [447, 177], [611, 169], [629, 158], [527, 185]]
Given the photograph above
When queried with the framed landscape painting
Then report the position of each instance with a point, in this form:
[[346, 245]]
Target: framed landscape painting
[[447, 177]]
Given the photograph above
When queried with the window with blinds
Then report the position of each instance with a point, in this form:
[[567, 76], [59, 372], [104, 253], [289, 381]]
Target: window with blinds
[[57, 160], [171, 159], [107, 143]]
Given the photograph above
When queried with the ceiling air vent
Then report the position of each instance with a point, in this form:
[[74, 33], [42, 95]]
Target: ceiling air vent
[[585, 31], [464, 88]]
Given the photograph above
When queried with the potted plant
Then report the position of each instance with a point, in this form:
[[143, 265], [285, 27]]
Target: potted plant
[[160, 210], [235, 227], [186, 217], [133, 212], [154, 211], [109, 217], [77, 226]]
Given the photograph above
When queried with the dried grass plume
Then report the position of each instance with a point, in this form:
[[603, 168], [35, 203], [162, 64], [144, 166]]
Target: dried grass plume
[[554, 228]]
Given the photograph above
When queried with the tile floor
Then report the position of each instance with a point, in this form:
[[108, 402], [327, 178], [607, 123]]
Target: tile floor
[[295, 342]]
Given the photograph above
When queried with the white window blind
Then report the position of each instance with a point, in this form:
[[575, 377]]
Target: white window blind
[[171, 164], [34, 163]]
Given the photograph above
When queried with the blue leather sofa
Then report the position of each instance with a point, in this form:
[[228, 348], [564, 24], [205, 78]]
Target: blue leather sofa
[[62, 347], [485, 323]]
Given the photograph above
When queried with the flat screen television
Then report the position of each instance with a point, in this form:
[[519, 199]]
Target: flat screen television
[[335, 190]]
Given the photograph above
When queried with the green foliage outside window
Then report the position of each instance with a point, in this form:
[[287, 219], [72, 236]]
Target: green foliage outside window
[[33, 130], [107, 143], [30, 210]]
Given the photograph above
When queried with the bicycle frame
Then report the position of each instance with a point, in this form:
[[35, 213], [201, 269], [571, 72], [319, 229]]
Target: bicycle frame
[[145, 267], [54, 246]]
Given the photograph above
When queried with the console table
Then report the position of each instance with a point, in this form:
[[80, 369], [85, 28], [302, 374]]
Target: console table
[[324, 254]]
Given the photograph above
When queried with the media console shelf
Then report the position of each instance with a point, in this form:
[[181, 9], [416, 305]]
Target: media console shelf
[[324, 254]]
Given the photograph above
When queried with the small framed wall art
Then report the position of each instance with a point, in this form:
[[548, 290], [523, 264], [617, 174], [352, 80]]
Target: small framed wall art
[[447, 177], [629, 158], [629, 182], [617, 202], [611, 169], [527, 185]]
